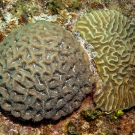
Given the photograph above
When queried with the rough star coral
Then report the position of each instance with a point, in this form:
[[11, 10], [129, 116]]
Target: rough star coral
[[44, 72], [113, 38]]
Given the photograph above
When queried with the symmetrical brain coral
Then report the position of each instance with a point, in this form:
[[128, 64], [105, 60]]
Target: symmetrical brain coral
[[113, 38], [44, 72]]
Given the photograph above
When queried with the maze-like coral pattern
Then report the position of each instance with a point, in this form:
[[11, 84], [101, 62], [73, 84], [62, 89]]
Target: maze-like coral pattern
[[44, 72], [113, 38]]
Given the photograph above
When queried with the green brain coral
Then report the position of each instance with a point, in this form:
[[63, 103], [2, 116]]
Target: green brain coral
[[113, 38]]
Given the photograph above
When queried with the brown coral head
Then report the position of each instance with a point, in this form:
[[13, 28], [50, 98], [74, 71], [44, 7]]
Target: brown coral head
[[44, 72]]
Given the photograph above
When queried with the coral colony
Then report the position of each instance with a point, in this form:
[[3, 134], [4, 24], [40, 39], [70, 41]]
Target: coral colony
[[44, 72], [113, 38]]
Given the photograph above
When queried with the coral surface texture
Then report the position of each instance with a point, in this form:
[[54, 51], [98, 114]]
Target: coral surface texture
[[113, 37], [44, 72]]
